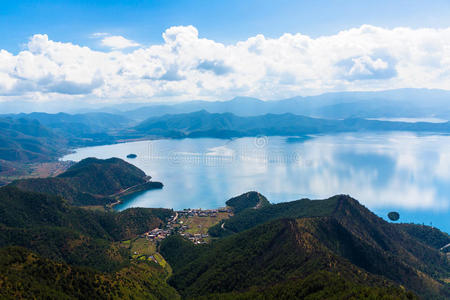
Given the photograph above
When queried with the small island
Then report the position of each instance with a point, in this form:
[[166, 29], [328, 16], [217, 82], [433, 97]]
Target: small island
[[131, 155], [394, 216]]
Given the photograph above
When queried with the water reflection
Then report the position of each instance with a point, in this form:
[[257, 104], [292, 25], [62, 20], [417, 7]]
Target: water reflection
[[398, 171]]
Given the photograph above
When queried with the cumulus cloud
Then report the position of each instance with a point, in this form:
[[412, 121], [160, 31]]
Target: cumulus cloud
[[367, 67], [118, 42], [187, 66]]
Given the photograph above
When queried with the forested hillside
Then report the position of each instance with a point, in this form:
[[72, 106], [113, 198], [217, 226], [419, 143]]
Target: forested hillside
[[26, 141], [284, 242], [80, 129], [91, 182], [72, 252]]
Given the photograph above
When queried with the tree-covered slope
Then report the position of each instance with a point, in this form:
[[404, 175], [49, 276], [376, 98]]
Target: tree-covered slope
[[345, 228], [26, 141], [249, 218], [51, 250], [430, 236], [273, 256], [317, 286], [50, 227], [91, 181], [80, 129], [25, 275]]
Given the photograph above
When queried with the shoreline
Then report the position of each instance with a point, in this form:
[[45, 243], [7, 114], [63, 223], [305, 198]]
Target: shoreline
[[143, 187]]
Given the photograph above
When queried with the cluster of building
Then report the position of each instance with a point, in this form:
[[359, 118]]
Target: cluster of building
[[202, 213], [174, 225], [197, 238], [158, 234]]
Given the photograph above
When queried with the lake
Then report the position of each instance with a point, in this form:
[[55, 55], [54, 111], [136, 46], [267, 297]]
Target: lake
[[404, 172]]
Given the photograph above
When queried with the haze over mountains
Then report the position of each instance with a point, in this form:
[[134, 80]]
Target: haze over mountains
[[414, 103], [386, 104], [227, 125]]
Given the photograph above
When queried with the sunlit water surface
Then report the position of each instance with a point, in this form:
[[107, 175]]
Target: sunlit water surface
[[401, 172]]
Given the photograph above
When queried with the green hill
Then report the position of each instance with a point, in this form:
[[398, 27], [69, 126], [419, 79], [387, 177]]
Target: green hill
[[50, 227], [74, 253], [92, 182], [248, 200], [276, 256], [287, 241], [296, 209], [25, 275]]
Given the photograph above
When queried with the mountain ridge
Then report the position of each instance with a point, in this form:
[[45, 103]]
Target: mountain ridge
[[227, 125], [351, 231]]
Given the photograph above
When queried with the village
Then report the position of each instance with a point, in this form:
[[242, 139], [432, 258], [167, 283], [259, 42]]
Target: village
[[192, 224]]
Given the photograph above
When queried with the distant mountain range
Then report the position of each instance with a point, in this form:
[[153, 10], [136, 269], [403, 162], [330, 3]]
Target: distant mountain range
[[27, 140], [79, 129], [227, 125], [413, 103], [41, 137]]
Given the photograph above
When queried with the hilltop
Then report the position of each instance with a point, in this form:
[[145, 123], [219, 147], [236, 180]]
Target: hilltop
[[247, 200], [92, 181]]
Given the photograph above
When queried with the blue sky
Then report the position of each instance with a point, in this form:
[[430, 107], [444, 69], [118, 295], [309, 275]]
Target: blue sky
[[103, 52], [224, 21]]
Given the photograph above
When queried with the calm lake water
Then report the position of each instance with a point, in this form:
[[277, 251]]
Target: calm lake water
[[402, 172]]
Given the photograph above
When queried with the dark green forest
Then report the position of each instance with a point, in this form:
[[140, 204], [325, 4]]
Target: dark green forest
[[91, 181]]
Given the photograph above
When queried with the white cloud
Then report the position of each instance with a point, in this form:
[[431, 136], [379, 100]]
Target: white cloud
[[118, 42], [186, 66]]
